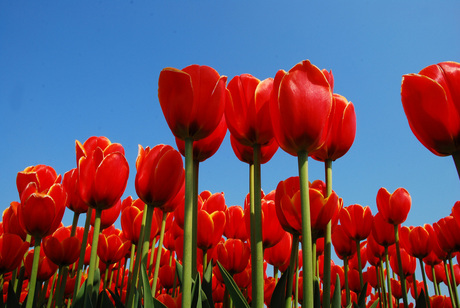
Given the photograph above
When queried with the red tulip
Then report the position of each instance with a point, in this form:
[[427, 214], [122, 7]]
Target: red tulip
[[102, 172], [234, 255], [272, 231], [112, 248], [40, 213], [300, 108], [235, 226], [382, 231], [70, 183], [246, 153], [61, 248], [431, 101], [448, 234], [210, 228], [322, 210], [160, 174], [12, 250], [409, 263], [279, 255], [46, 268], [420, 242], [375, 252], [344, 246], [247, 113], [287, 204], [131, 218], [192, 100], [440, 301], [43, 176], [108, 216], [356, 221], [342, 130], [394, 207], [206, 147], [10, 221]]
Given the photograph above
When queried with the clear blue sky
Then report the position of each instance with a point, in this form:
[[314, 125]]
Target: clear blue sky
[[73, 69]]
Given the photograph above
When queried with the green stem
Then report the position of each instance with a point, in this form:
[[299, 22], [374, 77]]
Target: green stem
[[196, 165], [382, 284], [427, 297], [387, 265], [327, 242], [347, 288], [435, 284], [401, 271], [205, 260], [34, 272], [74, 223], [146, 240], [296, 292], [152, 256], [63, 281], [456, 157], [449, 284], [360, 268], [188, 225], [105, 275], [132, 283], [159, 250], [257, 253], [82, 253], [379, 289], [93, 258], [292, 268], [454, 283], [50, 298], [306, 231]]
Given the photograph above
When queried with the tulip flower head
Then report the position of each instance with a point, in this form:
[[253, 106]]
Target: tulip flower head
[[394, 207], [431, 101]]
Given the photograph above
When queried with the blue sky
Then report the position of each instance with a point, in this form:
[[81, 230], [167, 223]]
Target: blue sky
[[70, 70]]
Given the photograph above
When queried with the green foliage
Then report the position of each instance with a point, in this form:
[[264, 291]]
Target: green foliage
[[279, 293], [337, 297], [238, 299]]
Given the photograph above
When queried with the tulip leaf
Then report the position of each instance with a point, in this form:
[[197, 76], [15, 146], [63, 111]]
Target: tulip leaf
[[374, 304], [12, 301], [179, 270], [104, 301], [157, 304], [279, 293], [238, 299], [148, 298], [420, 302], [362, 297], [117, 299], [80, 297], [316, 294], [196, 293], [337, 297], [207, 285]]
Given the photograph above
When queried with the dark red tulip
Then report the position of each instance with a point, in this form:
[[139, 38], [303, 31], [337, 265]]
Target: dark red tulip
[[420, 242], [10, 221], [246, 153], [192, 100], [375, 252], [300, 108], [40, 213], [431, 101], [356, 221], [160, 174], [112, 248], [43, 176], [235, 226], [287, 204], [448, 234], [206, 147], [46, 268], [322, 210], [409, 263], [272, 231], [248, 111], [102, 172], [74, 201], [341, 130], [394, 207], [61, 248], [234, 255], [12, 250], [279, 255], [382, 231], [344, 246], [108, 216]]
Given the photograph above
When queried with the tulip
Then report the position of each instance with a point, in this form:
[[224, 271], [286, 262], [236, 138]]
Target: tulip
[[235, 226], [102, 177], [431, 101], [278, 255], [45, 270], [43, 176], [193, 103], [233, 254], [246, 153], [10, 220], [356, 221], [12, 250], [394, 207], [342, 131], [108, 216], [70, 183], [300, 107], [61, 248]]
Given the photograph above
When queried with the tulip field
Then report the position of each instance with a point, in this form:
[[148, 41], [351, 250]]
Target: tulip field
[[181, 247]]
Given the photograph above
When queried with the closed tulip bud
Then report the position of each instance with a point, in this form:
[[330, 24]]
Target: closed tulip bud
[[12, 250], [356, 221], [394, 207], [61, 248]]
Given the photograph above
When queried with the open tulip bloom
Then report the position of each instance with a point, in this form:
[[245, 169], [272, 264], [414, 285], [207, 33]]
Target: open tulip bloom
[[182, 249]]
